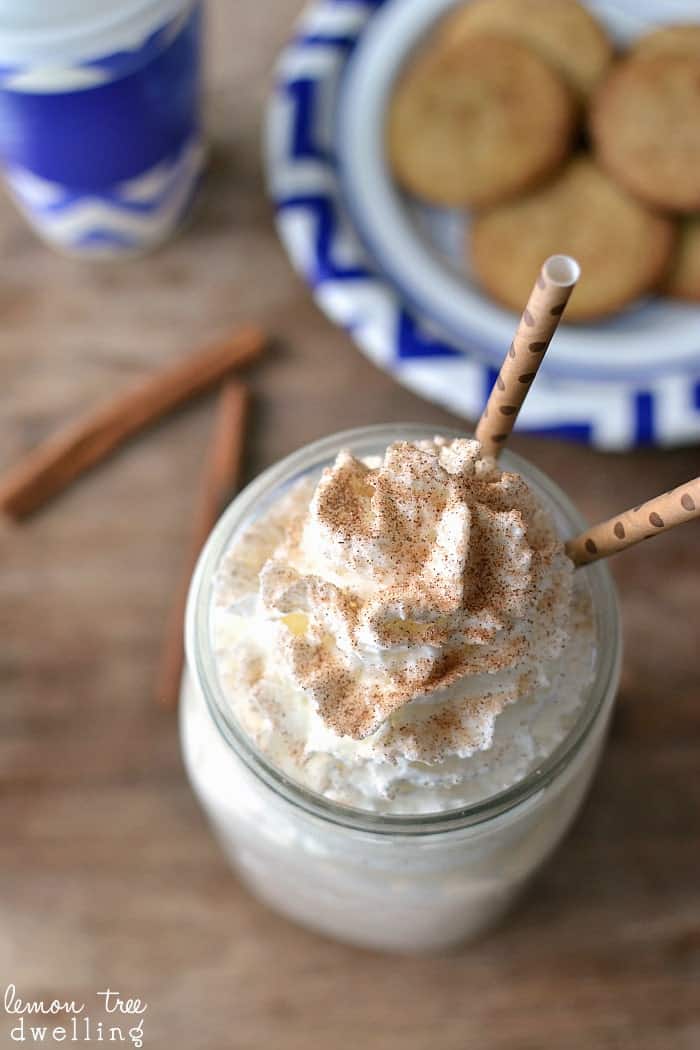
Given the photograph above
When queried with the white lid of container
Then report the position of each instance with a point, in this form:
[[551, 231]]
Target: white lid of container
[[67, 32]]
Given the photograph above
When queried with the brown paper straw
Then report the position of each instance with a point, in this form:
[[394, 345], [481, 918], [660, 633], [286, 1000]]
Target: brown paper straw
[[538, 323], [219, 481], [640, 523], [65, 455]]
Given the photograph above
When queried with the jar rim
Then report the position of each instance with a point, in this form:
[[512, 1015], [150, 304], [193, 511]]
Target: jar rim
[[201, 662]]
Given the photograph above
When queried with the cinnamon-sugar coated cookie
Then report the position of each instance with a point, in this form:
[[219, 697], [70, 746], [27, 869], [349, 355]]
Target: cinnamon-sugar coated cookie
[[683, 278], [477, 122], [622, 247], [680, 37], [562, 32], [645, 123]]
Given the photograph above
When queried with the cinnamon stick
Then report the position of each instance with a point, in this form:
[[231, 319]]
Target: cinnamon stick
[[65, 455], [219, 480]]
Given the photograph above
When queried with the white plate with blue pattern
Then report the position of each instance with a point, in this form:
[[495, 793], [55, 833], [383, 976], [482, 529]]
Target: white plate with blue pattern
[[385, 268]]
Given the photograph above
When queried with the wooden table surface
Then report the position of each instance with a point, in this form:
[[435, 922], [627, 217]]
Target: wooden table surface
[[108, 873]]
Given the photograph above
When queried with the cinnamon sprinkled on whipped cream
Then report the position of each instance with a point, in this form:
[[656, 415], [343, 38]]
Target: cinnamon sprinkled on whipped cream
[[383, 621]]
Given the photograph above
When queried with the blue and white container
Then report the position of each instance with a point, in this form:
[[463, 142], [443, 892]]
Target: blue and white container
[[100, 118]]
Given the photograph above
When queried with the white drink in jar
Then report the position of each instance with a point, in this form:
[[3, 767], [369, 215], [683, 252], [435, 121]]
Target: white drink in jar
[[397, 686]]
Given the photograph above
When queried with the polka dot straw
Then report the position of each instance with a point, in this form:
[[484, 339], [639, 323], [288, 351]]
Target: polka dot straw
[[538, 323], [640, 523]]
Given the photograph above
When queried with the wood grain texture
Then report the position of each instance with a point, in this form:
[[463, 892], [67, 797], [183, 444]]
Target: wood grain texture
[[69, 452], [108, 872]]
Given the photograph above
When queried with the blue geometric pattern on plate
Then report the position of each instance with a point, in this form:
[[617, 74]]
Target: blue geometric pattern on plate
[[323, 245]]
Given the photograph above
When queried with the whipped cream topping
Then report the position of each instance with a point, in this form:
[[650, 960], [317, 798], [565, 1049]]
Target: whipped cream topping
[[377, 625]]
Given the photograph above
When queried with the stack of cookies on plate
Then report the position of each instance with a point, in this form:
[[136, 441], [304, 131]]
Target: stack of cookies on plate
[[521, 111]]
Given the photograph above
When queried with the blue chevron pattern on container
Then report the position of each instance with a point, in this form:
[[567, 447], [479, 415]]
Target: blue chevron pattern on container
[[125, 218], [103, 157], [323, 245]]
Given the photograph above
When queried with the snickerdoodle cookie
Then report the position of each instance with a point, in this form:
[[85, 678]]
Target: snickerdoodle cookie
[[645, 123], [562, 32], [683, 278], [679, 37], [623, 248], [476, 122]]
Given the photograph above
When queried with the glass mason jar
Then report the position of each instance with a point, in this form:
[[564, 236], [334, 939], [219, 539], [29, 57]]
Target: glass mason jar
[[398, 883]]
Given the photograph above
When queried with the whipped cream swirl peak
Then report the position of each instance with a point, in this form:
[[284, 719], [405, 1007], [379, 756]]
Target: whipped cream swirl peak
[[417, 597]]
